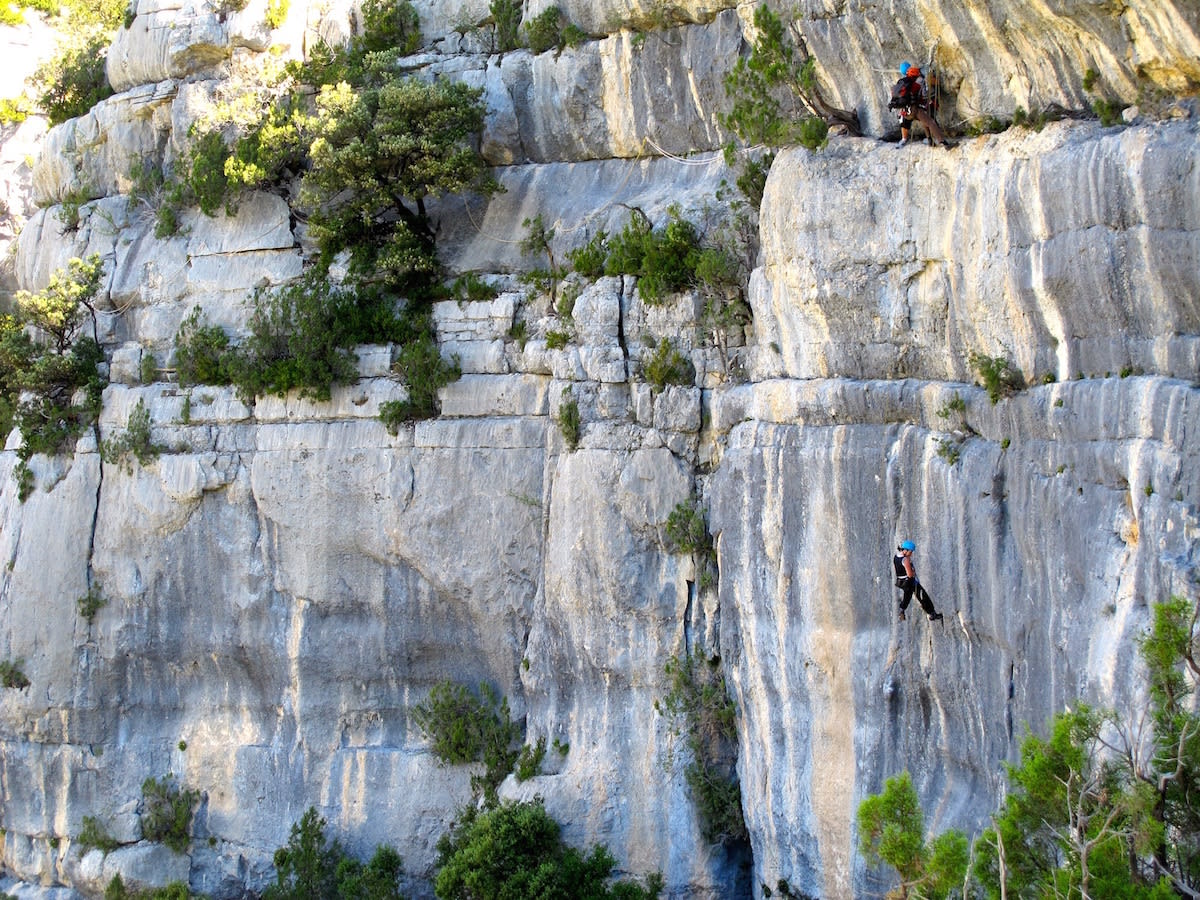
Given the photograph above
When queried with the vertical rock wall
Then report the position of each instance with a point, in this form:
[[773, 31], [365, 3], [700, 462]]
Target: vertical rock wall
[[287, 579]]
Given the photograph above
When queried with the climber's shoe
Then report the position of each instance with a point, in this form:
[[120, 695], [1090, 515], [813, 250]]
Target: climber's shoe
[[936, 617]]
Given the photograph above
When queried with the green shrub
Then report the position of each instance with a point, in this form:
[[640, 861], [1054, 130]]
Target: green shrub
[[68, 210], [74, 80], [201, 352], [571, 36], [116, 890], [473, 289], [516, 850], [999, 376], [91, 603], [135, 441], [686, 530], [557, 340], [425, 372], [39, 380], [529, 761], [148, 368], [167, 813], [668, 366], [93, 835], [813, 133], [14, 110], [589, 259], [1108, 111], [569, 421], [699, 704], [506, 14], [389, 26], [956, 405], [300, 338], [949, 449], [464, 729], [663, 261], [11, 675], [985, 125], [277, 12], [542, 32], [311, 867]]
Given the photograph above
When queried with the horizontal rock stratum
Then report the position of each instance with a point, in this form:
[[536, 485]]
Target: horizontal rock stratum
[[287, 580]]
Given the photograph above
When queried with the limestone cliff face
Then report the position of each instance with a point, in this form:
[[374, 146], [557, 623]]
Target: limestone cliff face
[[288, 579]]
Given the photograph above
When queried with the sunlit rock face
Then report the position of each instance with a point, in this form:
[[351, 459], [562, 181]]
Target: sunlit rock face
[[287, 579]]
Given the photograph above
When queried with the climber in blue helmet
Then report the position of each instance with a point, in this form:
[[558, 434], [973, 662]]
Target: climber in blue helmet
[[906, 580], [912, 101]]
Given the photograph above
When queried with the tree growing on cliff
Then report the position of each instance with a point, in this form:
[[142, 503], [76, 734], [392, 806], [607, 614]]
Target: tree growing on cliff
[[516, 850], [45, 362], [1107, 806], [891, 830]]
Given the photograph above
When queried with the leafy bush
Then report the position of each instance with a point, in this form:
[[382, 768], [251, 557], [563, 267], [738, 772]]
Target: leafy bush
[[312, 868], [569, 421], [999, 376], [542, 31], [668, 366], [813, 133], [167, 813], [425, 372], [11, 675], [94, 835], [699, 703], [506, 14], [537, 243], [74, 80], [464, 728], [116, 890], [663, 261], [516, 850], [389, 26], [277, 11], [1108, 111], [473, 289], [90, 604], [589, 259], [891, 830], [201, 352], [529, 762], [686, 530], [301, 337], [39, 380], [557, 340], [134, 441]]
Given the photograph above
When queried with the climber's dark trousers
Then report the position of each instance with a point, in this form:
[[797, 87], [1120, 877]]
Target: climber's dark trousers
[[912, 586]]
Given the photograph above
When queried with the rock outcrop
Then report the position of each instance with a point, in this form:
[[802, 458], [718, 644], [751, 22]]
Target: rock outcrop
[[287, 579]]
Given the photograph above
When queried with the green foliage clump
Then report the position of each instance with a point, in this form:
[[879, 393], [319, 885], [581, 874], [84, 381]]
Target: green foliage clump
[[666, 365], [90, 604], [202, 354], [464, 728], [550, 31], [311, 867], [11, 674], [73, 81], [39, 379], [116, 890], [774, 95], [686, 530], [537, 243], [388, 26], [14, 110], [506, 16], [135, 441], [529, 761], [589, 259], [999, 376], [94, 835], [570, 423], [167, 812], [985, 125], [1108, 111], [425, 372], [891, 830], [664, 261], [557, 339], [277, 12], [473, 289], [699, 703], [516, 850]]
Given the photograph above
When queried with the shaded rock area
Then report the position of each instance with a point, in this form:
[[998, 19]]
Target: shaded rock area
[[288, 579]]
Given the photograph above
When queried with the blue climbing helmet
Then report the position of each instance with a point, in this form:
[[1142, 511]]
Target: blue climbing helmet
[[904, 67], [908, 545]]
